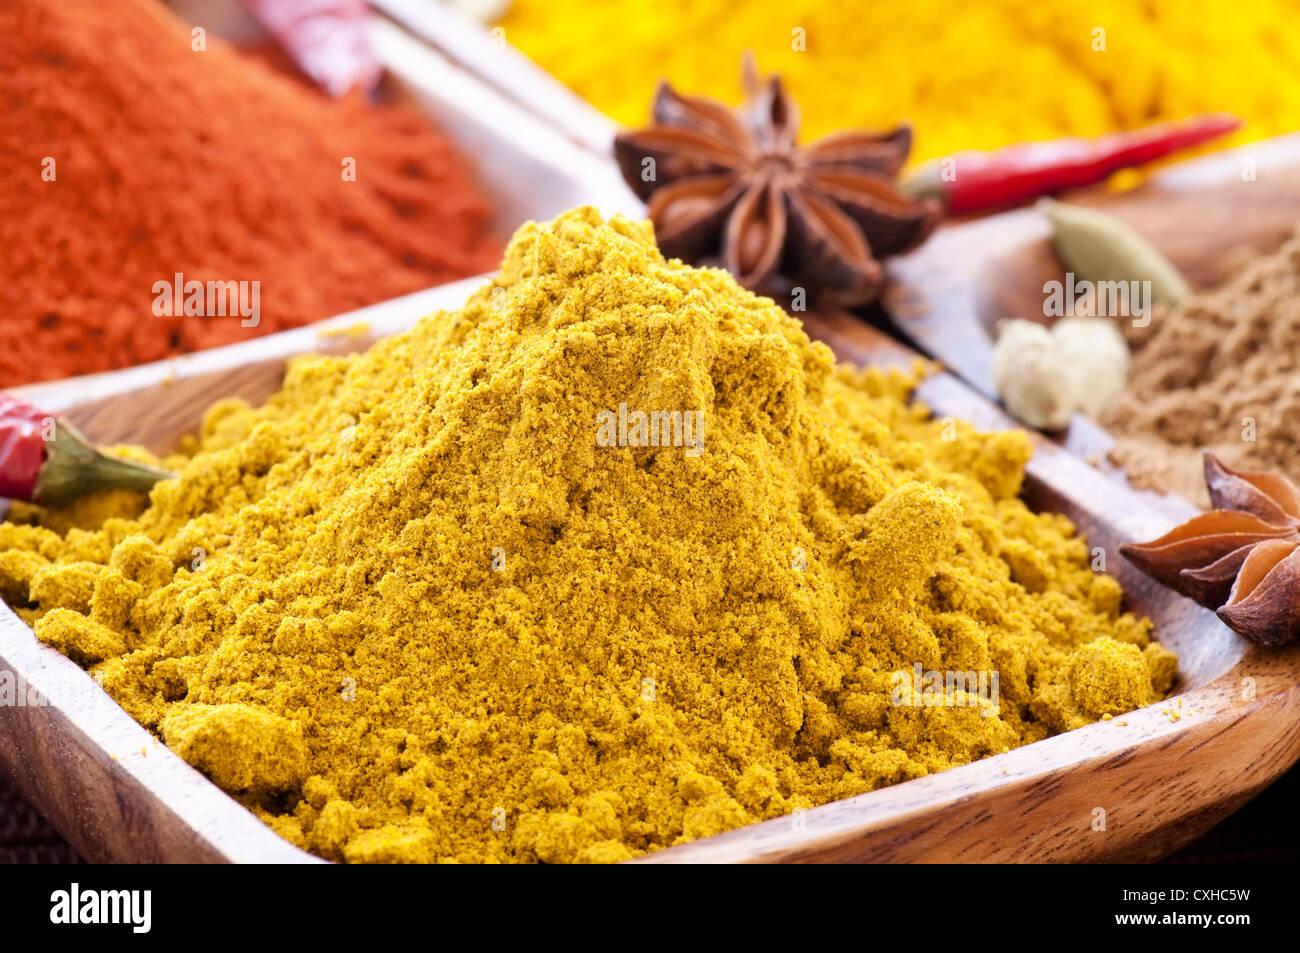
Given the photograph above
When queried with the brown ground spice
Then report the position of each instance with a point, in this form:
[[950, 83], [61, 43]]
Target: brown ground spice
[[1220, 372]]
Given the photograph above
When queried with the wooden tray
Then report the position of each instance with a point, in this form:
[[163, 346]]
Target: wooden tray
[[1163, 775], [490, 57], [528, 167]]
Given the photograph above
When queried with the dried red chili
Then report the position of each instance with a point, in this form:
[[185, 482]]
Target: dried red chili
[[978, 181], [46, 460]]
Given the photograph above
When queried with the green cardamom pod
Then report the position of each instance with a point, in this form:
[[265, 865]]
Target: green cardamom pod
[[1098, 247]]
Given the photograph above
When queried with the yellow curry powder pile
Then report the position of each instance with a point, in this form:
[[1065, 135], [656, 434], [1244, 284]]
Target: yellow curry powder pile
[[972, 75], [413, 609]]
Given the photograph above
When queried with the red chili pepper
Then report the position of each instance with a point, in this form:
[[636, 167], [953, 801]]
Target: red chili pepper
[[22, 446], [978, 181], [46, 460], [328, 39]]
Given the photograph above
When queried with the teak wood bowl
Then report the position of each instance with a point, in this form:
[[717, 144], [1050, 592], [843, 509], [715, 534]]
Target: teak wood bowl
[[1133, 788]]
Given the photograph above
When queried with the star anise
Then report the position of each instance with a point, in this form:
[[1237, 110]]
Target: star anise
[[734, 186], [1241, 559]]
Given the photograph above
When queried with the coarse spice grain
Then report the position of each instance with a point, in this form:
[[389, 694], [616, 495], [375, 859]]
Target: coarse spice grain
[[127, 156], [437, 618], [973, 75], [1220, 372]]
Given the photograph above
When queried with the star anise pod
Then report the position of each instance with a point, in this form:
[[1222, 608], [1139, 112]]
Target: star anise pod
[[734, 186], [1241, 559]]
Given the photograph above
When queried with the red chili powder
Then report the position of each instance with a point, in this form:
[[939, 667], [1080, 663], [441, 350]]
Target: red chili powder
[[126, 156]]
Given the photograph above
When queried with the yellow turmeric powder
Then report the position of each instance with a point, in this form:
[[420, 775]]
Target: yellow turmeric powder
[[429, 603], [973, 75]]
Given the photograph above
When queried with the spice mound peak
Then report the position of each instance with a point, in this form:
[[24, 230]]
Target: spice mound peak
[[477, 594]]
